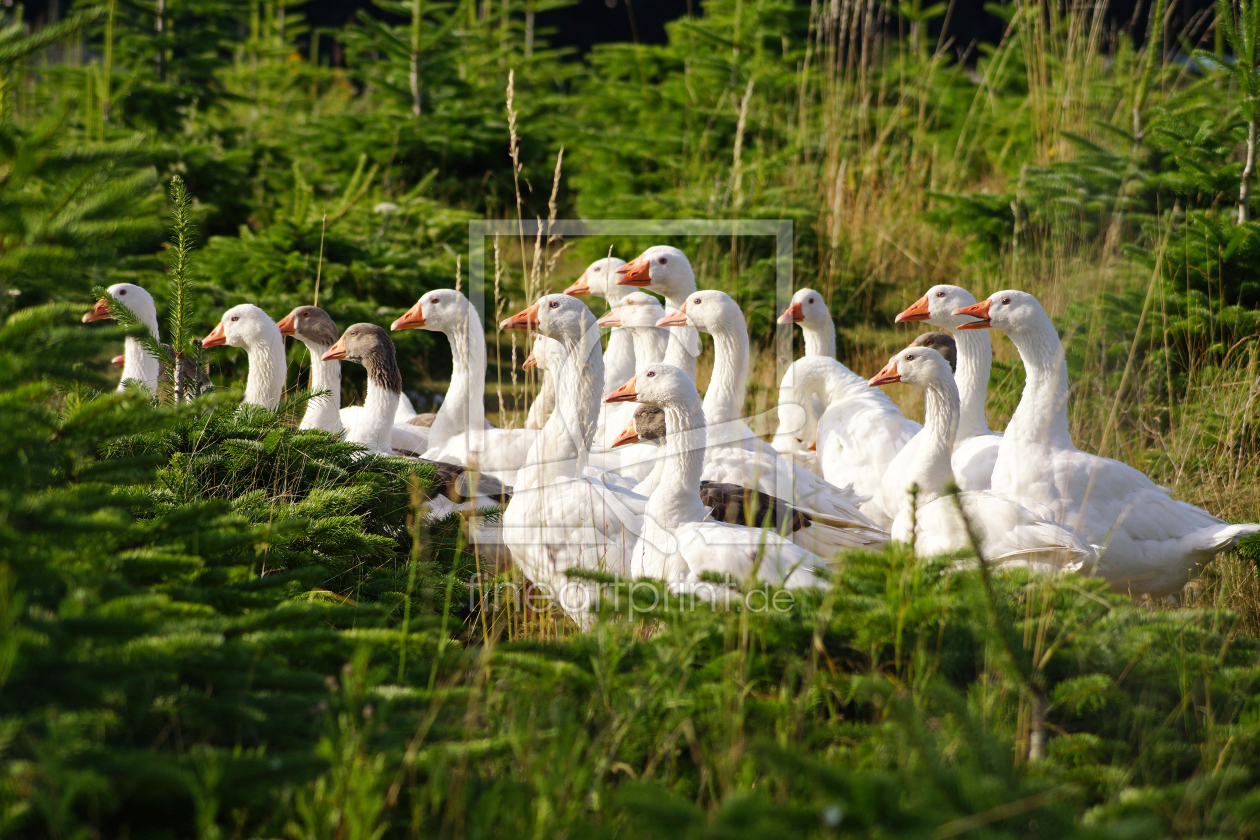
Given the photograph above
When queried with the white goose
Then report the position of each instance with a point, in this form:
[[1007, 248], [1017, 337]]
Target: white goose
[[138, 363], [563, 516], [1011, 531], [1151, 542], [859, 433], [976, 447], [316, 329], [666, 270], [459, 434], [809, 310], [738, 456], [600, 279], [680, 542], [248, 327]]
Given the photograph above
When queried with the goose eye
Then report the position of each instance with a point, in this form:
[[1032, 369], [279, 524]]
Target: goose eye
[[696, 301], [1005, 301], [236, 317], [122, 291], [433, 300], [929, 342], [940, 294], [651, 374], [662, 261], [910, 357], [599, 268], [811, 300]]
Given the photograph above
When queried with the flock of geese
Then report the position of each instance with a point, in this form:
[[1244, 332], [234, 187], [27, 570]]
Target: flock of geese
[[623, 468]]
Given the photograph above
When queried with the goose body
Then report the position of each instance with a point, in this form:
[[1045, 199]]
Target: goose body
[[459, 433], [1011, 531], [976, 446], [1151, 542], [859, 433], [681, 543]]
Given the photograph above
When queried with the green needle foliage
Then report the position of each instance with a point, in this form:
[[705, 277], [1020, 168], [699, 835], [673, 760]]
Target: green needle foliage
[[215, 624]]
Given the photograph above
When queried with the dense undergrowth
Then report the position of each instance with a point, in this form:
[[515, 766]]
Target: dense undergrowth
[[215, 625]]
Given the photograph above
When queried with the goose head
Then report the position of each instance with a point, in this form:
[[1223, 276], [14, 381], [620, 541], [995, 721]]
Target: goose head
[[561, 317], [942, 343], [1011, 311], [636, 311], [309, 325], [807, 309], [920, 366], [545, 354], [441, 310], [369, 345], [661, 385], [129, 295], [600, 278], [709, 311], [647, 425], [244, 325], [938, 307], [661, 268]]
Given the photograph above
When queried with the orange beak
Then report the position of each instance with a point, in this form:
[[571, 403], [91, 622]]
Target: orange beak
[[580, 287], [794, 314], [976, 310], [524, 320], [625, 393], [635, 273], [628, 435], [813, 447], [287, 325], [99, 312], [119, 360], [216, 338], [337, 351], [677, 318], [886, 376], [412, 319], [612, 319], [530, 362], [918, 311]]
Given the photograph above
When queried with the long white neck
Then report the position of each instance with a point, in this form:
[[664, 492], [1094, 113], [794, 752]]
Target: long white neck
[[265, 382], [676, 497], [542, 406], [619, 360], [975, 360], [324, 411], [560, 450], [649, 345], [684, 342], [724, 400], [139, 364], [464, 408], [820, 339], [377, 427], [930, 468], [1042, 413]]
